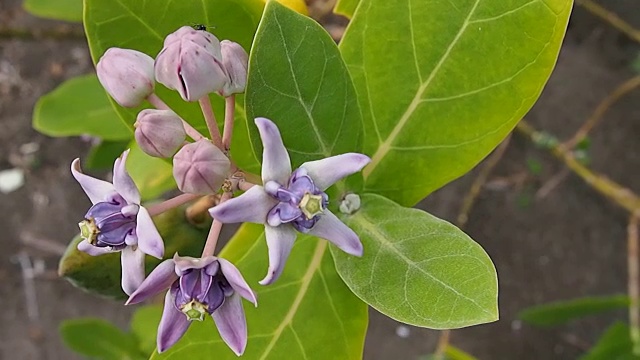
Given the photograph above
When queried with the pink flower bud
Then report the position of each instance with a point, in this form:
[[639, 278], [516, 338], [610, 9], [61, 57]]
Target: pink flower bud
[[191, 63], [159, 132], [127, 75], [235, 61], [200, 168]]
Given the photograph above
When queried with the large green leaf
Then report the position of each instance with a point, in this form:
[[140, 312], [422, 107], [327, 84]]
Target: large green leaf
[[297, 79], [308, 314], [153, 176], [144, 325], [77, 107], [560, 312], [346, 7], [442, 82], [102, 155], [143, 25], [101, 274], [99, 339], [68, 10], [418, 269], [615, 344]]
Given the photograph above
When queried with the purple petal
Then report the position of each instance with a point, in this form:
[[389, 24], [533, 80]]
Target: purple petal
[[327, 171], [158, 280], [172, 325], [279, 241], [149, 239], [276, 165], [97, 190], [329, 227], [252, 206], [231, 323], [283, 213], [132, 269], [123, 182], [184, 263], [237, 282], [86, 247]]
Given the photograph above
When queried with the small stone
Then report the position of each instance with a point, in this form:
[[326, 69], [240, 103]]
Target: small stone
[[11, 180], [403, 331]]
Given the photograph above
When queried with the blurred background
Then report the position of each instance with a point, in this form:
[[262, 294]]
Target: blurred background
[[551, 235]]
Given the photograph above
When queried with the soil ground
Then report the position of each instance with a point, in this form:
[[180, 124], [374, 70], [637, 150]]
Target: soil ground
[[568, 244]]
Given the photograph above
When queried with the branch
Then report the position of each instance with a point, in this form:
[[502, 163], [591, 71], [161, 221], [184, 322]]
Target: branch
[[611, 18]]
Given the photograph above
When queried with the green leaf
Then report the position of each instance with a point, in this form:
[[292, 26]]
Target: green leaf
[[103, 155], [111, 24], [346, 7], [67, 10], [99, 339], [101, 274], [153, 176], [144, 325], [560, 312], [418, 269], [308, 314], [297, 79], [441, 83], [615, 344], [77, 107]]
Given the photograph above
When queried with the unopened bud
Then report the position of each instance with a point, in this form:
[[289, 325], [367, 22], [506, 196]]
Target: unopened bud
[[127, 75], [235, 61], [200, 168], [191, 63], [159, 133]]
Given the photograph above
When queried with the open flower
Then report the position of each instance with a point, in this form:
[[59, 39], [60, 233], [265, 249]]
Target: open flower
[[198, 287], [292, 201], [117, 222]]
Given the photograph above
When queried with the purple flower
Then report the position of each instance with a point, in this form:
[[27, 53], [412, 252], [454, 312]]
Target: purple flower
[[117, 222], [292, 201], [198, 287]]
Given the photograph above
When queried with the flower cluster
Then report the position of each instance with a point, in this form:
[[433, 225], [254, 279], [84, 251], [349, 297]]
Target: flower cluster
[[195, 64]]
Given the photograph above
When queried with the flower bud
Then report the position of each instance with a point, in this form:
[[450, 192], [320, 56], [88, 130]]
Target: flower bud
[[191, 63], [127, 75], [235, 61], [159, 132], [200, 168]]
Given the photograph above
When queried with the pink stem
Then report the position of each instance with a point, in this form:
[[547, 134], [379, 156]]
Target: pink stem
[[161, 105], [214, 233], [210, 118], [229, 112], [245, 185], [166, 205]]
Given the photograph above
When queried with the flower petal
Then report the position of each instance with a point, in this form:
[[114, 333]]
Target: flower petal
[[329, 227], [276, 165], [237, 282], [97, 190], [252, 206], [123, 182], [327, 171], [279, 241], [132, 269], [232, 324], [149, 239], [184, 263], [86, 247], [158, 280], [172, 325]]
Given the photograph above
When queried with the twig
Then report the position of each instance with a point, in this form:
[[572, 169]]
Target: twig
[[633, 288], [42, 244], [59, 33], [443, 343], [602, 108], [29, 272], [610, 18], [610, 189], [214, 233], [552, 183], [479, 182], [169, 204]]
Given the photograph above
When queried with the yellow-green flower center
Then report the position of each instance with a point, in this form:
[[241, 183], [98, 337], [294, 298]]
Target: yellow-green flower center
[[194, 310], [89, 230], [311, 205]]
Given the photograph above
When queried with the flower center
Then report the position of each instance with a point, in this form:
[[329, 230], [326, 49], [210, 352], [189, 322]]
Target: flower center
[[194, 310], [89, 230], [311, 205]]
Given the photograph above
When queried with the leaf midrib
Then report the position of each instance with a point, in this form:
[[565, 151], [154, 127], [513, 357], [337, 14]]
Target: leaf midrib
[[385, 146], [314, 265]]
